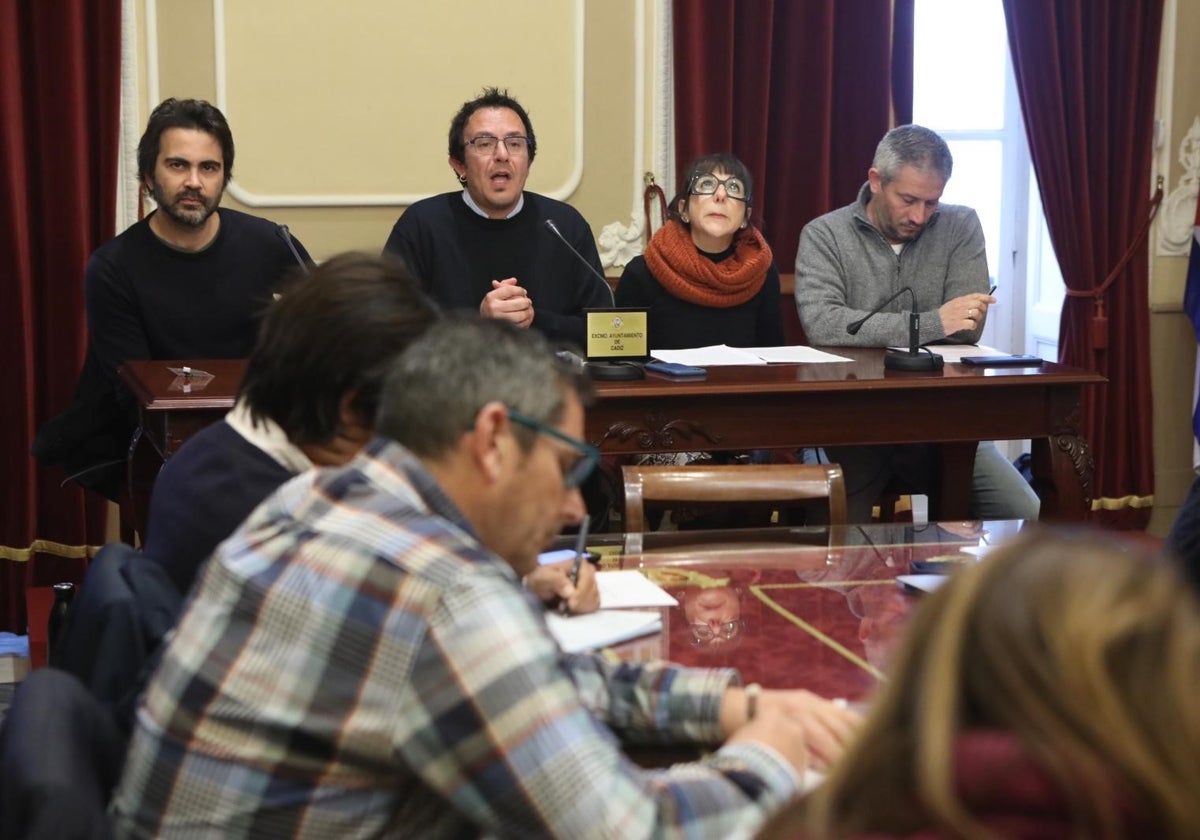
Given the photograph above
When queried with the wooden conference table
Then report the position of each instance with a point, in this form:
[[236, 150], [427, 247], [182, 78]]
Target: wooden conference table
[[802, 607], [751, 407]]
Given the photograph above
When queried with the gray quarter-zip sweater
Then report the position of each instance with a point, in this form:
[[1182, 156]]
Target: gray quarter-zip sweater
[[845, 268]]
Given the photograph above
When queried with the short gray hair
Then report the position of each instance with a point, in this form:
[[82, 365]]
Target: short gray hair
[[915, 146], [437, 387]]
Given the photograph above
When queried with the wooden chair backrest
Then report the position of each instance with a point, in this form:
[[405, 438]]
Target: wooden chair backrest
[[732, 483]]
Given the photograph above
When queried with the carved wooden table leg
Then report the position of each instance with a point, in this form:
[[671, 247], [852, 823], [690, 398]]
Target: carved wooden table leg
[[1063, 468]]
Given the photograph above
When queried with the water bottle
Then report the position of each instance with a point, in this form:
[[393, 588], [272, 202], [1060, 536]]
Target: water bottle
[[64, 593]]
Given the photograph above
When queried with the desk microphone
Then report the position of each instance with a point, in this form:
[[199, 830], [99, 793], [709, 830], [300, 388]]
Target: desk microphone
[[286, 236], [553, 228], [598, 369], [912, 359]]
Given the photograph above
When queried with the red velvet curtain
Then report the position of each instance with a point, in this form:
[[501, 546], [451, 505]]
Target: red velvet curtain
[[59, 112], [800, 91], [1086, 73]]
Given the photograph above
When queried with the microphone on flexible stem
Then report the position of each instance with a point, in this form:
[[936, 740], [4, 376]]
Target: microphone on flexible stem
[[598, 369], [286, 236], [913, 358], [553, 228]]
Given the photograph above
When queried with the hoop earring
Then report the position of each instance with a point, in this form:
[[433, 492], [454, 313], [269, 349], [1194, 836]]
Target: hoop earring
[[462, 179]]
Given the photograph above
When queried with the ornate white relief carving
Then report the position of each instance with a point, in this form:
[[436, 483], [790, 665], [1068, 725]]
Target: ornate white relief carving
[[1177, 218], [664, 98], [619, 243]]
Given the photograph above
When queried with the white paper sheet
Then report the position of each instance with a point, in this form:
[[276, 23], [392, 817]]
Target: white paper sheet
[[714, 356], [582, 633], [795, 354], [922, 583], [717, 355], [956, 352], [631, 588]]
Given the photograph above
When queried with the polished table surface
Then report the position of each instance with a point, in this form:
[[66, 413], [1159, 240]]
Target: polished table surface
[[755, 407], [813, 610], [860, 402]]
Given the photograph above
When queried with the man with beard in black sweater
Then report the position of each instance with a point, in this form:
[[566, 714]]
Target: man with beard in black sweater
[[190, 281]]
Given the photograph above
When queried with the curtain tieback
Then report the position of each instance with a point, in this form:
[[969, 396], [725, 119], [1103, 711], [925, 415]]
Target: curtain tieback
[[1099, 326], [653, 193]]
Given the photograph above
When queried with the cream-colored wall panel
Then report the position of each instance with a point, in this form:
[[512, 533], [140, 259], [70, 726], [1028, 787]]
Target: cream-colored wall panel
[[320, 108], [180, 48], [352, 107]]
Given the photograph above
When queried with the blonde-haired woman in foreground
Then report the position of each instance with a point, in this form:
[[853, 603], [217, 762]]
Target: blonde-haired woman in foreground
[[1049, 691]]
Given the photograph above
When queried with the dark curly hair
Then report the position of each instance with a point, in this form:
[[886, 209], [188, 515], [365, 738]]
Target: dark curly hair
[[490, 98], [183, 113]]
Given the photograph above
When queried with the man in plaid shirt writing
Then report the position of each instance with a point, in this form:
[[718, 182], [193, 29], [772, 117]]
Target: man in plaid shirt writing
[[360, 659]]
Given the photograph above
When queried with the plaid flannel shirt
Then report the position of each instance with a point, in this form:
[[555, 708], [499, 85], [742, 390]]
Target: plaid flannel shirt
[[353, 663]]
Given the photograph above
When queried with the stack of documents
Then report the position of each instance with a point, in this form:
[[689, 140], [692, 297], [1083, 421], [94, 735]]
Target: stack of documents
[[618, 619]]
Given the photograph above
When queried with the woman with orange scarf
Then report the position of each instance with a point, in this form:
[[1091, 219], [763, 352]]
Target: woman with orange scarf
[[707, 276]]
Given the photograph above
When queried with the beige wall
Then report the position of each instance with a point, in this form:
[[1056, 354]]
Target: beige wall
[[1172, 341], [340, 111]]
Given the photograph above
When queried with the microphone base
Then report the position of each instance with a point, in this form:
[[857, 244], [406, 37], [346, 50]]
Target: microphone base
[[616, 371], [903, 360]]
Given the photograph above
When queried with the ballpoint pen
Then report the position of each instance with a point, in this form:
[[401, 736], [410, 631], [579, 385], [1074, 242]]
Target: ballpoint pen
[[580, 545]]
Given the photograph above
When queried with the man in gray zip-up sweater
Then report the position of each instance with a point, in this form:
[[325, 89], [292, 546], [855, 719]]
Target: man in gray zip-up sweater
[[853, 259]]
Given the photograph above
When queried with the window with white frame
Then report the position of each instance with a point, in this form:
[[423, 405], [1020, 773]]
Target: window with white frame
[[963, 88]]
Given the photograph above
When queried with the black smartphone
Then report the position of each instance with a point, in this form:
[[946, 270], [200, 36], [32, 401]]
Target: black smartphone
[[1002, 361], [674, 368]]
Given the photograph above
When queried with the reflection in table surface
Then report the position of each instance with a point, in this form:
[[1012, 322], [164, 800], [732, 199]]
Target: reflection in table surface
[[790, 607]]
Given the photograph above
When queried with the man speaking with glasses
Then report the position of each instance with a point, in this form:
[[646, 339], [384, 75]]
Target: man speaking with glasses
[[488, 249], [361, 660]]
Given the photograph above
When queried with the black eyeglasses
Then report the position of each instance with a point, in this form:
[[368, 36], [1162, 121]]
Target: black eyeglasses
[[589, 456], [735, 188], [485, 144]]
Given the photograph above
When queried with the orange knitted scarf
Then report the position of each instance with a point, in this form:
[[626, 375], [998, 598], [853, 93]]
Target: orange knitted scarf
[[682, 270]]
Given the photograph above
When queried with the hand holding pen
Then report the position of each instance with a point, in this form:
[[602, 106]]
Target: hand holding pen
[[580, 548]]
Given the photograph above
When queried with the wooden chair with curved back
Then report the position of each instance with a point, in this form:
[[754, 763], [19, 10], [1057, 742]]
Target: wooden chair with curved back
[[729, 484]]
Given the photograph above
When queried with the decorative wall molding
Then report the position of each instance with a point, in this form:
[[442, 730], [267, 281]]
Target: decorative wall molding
[[1177, 218], [253, 199], [620, 242], [129, 190], [664, 98], [250, 198]]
